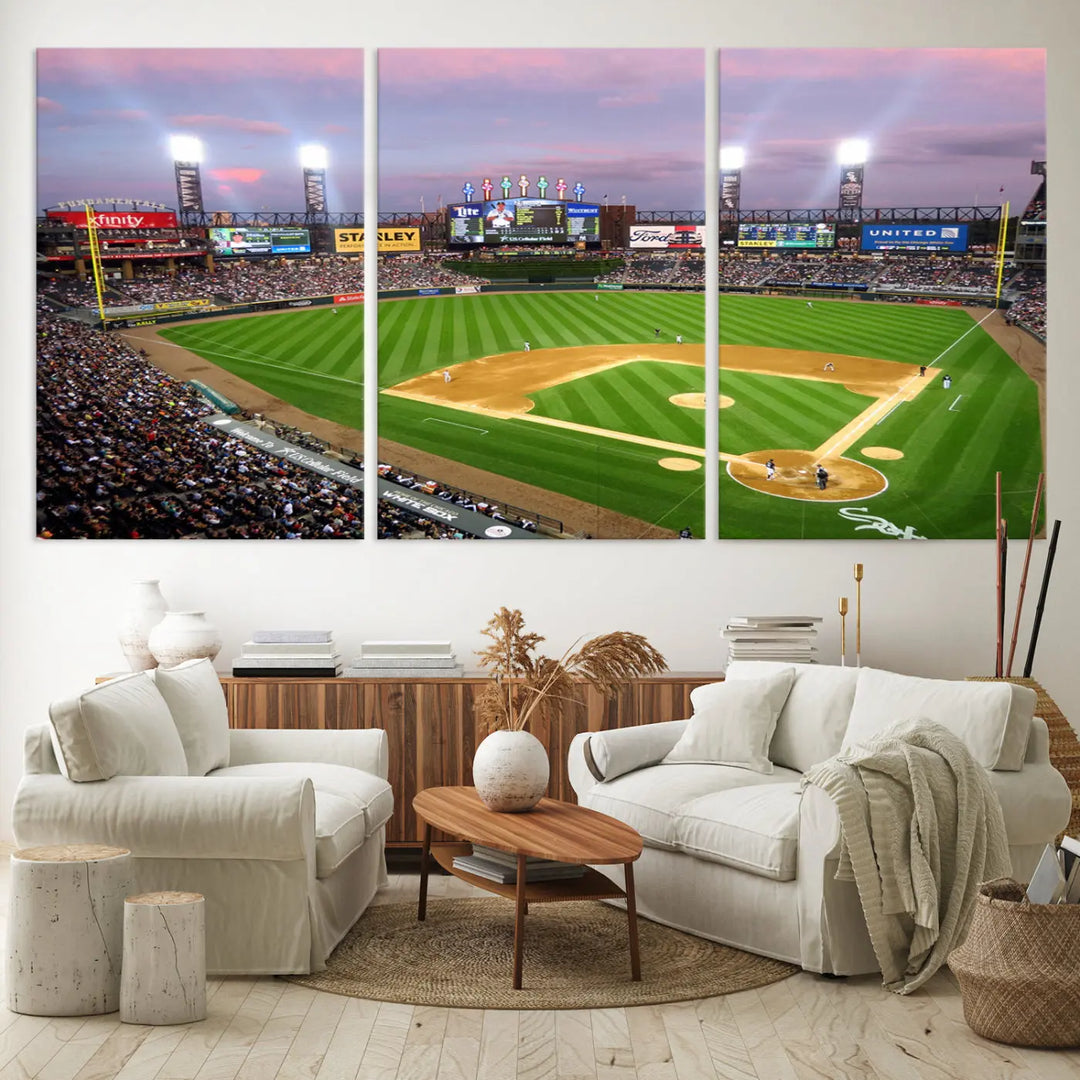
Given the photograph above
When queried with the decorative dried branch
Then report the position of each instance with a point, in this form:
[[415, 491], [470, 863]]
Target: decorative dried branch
[[525, 686]]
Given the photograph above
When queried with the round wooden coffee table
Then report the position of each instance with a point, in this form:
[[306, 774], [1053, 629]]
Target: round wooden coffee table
[[552, 830]]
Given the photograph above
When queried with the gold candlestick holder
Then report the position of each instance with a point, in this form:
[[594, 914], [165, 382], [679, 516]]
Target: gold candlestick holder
[[858, 614], [843, 631]]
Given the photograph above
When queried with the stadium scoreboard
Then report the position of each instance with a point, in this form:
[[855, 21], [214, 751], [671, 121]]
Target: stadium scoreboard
[[524, 221], [241, 240], [786, 235], [920, 237]]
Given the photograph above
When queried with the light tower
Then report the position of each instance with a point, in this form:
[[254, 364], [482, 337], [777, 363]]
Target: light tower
[[852, 155], [732, 159], [313, 160], [187, 153]]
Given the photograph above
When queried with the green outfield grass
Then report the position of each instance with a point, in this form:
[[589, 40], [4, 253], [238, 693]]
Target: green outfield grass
[[953, 442]]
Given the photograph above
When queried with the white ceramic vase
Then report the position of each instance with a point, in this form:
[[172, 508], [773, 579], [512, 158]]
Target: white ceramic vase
[[146, 608], [510, 771], [184, 635]]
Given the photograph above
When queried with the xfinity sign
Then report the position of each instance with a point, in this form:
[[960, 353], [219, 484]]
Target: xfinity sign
[[914, 238]]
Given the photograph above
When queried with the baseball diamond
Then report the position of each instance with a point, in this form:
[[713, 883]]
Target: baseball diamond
[[601, 406]]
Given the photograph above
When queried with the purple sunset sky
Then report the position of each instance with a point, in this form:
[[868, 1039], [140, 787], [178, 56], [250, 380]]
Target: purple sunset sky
[[946, 126]]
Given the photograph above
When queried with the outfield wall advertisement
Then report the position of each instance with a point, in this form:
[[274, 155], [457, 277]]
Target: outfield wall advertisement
[[914, 238], [666, 237], [394, 238]]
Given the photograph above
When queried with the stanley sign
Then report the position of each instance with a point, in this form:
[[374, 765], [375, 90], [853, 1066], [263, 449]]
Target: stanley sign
[[392, 238]]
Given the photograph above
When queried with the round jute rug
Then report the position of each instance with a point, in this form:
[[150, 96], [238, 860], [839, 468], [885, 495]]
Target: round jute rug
[[576, 956]]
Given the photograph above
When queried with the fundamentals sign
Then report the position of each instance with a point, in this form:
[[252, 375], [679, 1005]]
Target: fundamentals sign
[[392, 238]]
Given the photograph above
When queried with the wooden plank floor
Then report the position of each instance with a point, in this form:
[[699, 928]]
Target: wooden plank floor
[[804, 1028]]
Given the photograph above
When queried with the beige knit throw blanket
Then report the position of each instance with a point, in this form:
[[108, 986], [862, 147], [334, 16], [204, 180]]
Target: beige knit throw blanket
[[921, 829]]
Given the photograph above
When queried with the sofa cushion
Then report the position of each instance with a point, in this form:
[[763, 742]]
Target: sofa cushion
[[993, 720], [651, 800], [340, 828], [753, 828], [811, 725], [369, 794], [192, 691], [733, 722], [119, 727]]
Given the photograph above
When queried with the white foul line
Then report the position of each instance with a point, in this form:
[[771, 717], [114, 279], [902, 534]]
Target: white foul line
[[889, 413], [958, 397], [961, 337], [469, 427]]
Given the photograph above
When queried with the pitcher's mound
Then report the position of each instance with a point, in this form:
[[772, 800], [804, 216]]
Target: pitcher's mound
[[795, 476], [883, 453]]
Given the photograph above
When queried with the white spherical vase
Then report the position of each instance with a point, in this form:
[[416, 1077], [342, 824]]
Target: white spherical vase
[[184, 635], [510, 771], [146, 608]]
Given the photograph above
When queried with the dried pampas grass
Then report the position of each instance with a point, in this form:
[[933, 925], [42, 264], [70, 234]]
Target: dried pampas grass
[[524, 685]]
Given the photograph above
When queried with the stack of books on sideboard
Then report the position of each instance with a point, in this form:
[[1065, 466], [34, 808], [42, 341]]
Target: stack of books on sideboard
[[501, 866], [787, 638], [288, 654], [405, 660]]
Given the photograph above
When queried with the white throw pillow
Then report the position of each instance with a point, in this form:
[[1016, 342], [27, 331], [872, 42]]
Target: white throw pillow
[[812, 723], [733, 722], [192, 691], [120, 727], [993, 720]]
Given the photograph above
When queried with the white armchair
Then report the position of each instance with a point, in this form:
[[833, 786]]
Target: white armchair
[[284, 838]]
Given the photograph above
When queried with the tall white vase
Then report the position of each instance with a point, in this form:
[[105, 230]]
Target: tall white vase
[[510, 771], [146, 608], [184, 635]]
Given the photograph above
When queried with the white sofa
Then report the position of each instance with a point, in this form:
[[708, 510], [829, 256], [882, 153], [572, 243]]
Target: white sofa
[[741, 854], [281, 831]]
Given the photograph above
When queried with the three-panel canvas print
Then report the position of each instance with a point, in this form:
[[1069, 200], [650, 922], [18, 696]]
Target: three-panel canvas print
[[552, 228]]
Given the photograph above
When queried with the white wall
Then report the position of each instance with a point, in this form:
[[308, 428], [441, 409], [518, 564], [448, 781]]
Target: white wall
[[928, 608]]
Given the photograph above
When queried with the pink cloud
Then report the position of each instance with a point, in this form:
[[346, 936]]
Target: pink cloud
[[602, 70], [120, 66], [225, 189], [45, 105], [240, 175], [120, 114], [337, 129], [231, 123]]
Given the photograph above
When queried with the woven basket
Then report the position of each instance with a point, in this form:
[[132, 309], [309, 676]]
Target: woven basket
[[1019, 969]]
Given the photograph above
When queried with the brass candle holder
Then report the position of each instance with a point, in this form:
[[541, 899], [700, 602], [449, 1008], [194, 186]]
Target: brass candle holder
[[843, 631], [858, 614]]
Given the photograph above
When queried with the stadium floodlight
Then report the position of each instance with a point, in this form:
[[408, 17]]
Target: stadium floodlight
[[313, 156], [853, 152], [732, 157], [185, 148]]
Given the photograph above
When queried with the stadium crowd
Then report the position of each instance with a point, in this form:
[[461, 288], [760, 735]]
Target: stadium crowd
[[422, 271], [1030, 310]]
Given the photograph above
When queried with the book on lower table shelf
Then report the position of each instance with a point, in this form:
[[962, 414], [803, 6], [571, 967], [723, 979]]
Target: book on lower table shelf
[[501, 866]]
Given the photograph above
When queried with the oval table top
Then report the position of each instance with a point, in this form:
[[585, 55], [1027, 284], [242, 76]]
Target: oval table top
[[551, 830]]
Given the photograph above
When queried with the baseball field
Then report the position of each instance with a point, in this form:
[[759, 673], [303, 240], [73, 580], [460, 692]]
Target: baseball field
[[602, 408]]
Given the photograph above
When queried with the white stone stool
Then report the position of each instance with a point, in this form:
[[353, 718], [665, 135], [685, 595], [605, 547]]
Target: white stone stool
[[164, 979], [65, 929]]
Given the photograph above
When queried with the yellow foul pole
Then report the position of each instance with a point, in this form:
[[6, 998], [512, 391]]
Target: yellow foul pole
[[95, 258], [1001, 250]]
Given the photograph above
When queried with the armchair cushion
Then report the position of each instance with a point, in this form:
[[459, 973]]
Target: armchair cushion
[[369, 796], [733, 722], [192, 691], [120, 727]]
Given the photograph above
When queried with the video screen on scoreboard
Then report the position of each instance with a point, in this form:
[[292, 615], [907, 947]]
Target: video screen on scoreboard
[[240, 240], [786, 235], [466, 223], [914, 238]]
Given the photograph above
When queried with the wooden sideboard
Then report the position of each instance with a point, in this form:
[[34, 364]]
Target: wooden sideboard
[[431, 727]]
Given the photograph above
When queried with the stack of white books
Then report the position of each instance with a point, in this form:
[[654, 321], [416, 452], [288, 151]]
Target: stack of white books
[[405, 660], [289, 654], [501, 866], [1056, 879], [787, 638]]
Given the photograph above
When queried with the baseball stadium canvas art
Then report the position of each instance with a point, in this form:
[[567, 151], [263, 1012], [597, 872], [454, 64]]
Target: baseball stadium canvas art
[[880, 228]]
